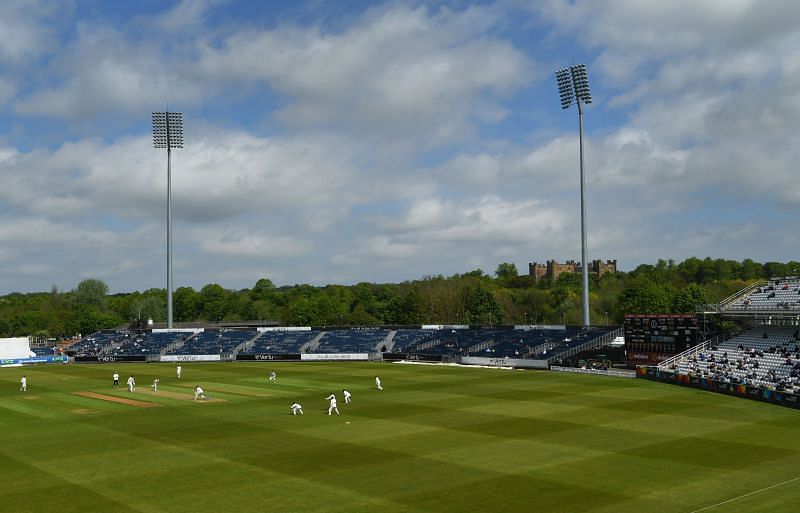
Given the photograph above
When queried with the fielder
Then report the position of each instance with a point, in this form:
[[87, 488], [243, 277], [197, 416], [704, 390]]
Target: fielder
[[154, 386], [296, 407], [332, 406], [131, 384], [272, 377], [346, 395], [178, 371], [378, 383], [198, 392], [116, 379], [23, 384]]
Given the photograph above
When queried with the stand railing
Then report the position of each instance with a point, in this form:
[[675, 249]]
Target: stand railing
[[733, 297], [481, 346], [595, 343], [694, 350], [609, 372]]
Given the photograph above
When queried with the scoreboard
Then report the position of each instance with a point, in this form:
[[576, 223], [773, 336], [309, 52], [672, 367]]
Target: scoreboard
[[651, 339]]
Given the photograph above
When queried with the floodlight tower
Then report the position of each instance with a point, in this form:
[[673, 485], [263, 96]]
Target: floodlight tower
[[573, 86], [168, 133]]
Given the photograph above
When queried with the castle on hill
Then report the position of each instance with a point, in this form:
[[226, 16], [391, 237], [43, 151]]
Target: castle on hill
[[552, 269]]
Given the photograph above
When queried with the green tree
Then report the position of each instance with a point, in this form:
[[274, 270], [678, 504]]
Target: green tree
[[406, 309], [482, 307], [645, 296], [687, 298], [242, 307], [213, 302], [187, 303], [89, 321], [506, 271], [149, 307], [689, 269], [777, 270], [263, 289], [90, 292], [477, 273], [361, 317], [301, 312], [751, 270]]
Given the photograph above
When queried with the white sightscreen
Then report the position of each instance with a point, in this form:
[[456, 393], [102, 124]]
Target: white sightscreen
[[15, 348]]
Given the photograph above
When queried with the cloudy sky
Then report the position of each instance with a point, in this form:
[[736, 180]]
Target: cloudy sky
[[339, 142]]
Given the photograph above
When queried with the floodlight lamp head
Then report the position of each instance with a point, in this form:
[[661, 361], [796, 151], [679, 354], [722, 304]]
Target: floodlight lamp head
[[565, 88], [581, 81], [573, 85], [167, 130]]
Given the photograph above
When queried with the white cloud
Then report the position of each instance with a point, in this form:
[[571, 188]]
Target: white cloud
[[36, 232], [393, 143], [7, 91], [187, 16], [394, 72], [712, 85], [442, 236], [34, 269], [488, 219], [102, 71], [26, 29], [661, 29], [377, 248], [549, 168], [245, 242], [222, 176], [401, 69]]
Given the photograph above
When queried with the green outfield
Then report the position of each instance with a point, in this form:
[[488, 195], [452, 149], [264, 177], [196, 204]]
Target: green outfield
[[436, 439]]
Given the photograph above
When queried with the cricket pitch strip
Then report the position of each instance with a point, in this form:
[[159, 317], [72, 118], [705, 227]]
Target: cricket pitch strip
[[118, 400]]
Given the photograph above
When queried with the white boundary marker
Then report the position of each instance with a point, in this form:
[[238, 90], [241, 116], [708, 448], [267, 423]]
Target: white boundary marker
[[746, 495]]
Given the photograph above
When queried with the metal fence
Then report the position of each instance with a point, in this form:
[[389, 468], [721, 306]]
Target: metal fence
[[614, 373]]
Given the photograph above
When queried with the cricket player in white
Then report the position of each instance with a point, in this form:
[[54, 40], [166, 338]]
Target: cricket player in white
[[155, 384], [346, 395], [131, 384], [378, 383], [296, 407], [178, 371], [116, 379], [23, 384], [198, 392], [272, 377], [332, 406]]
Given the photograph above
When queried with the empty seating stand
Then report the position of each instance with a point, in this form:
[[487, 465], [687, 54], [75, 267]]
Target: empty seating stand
[[536, 343], [352, 340], [504, 342], [145, 343], [99, 342], [43, 351], [281, 342], [214, 342]]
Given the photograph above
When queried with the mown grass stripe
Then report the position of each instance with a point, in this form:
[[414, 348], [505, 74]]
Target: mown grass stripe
[[740, 497], [436, 439]]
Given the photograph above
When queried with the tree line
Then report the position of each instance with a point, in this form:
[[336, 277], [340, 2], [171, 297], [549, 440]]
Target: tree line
[[475, 297]]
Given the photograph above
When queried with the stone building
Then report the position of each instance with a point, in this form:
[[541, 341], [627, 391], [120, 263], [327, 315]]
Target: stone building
[[552, 269]]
